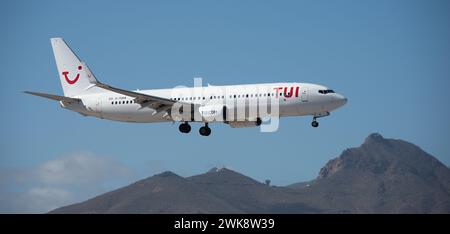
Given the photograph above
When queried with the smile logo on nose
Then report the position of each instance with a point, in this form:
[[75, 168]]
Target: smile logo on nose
[[66, 75]]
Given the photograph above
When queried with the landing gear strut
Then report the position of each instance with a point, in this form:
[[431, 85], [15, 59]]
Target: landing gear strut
[[185, 127], [314, 123], [205, 130]]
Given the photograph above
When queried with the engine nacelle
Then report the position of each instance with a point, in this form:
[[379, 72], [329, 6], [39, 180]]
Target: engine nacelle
[[245, 124]]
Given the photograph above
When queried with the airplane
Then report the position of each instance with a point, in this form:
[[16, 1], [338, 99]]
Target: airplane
[[85, 94]]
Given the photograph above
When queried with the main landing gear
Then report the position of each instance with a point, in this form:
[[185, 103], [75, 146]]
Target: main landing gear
[[205, 130], [186, 128]]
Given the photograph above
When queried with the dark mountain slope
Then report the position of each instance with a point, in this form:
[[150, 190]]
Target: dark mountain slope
[[163, 193], [380, 176], [249, 195]]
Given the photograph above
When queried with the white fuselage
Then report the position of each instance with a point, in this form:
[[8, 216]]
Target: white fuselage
[[293, 99], [239, 106]]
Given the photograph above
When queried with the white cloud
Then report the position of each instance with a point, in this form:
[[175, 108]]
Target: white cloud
[[45, 199], [79, 168], [58, 182]]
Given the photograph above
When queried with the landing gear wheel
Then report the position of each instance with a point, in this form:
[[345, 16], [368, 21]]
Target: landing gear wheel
[[315, 124], [184, 128], [205, 130]]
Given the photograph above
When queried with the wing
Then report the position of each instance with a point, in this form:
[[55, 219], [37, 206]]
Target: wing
[[138, 97], [145, 100]]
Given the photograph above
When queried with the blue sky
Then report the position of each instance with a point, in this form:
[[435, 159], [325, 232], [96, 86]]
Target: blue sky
[[390, 58]]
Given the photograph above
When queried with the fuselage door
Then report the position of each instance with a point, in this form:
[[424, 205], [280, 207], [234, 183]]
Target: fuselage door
[[98, 106], [304, 95]]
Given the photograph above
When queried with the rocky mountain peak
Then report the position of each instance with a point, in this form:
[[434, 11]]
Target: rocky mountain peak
[[374, 137], [167, 174], [219, 169], [376, 155]]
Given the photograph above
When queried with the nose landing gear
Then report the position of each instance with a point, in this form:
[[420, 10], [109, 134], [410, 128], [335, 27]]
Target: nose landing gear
[[314, 123]]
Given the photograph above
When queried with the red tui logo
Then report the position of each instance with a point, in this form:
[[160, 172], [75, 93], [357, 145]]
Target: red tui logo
[[66, 75], [287, 93]]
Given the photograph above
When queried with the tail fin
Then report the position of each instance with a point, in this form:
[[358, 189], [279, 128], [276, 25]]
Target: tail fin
[[73, 74]]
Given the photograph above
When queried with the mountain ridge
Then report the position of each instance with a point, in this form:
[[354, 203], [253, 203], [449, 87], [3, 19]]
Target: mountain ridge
[[380, 176]]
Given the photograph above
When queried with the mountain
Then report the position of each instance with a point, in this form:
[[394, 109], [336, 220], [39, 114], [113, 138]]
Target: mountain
[[380, 176], [162, 193], [249, 195]]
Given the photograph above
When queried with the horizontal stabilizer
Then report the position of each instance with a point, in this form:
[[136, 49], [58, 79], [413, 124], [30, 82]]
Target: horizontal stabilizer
[[54, 97]]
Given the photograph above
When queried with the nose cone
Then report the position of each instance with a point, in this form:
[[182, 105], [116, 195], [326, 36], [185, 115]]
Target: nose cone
[[340, 100]]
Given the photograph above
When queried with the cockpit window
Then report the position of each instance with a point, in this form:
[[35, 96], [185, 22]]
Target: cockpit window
[[325, 91]]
